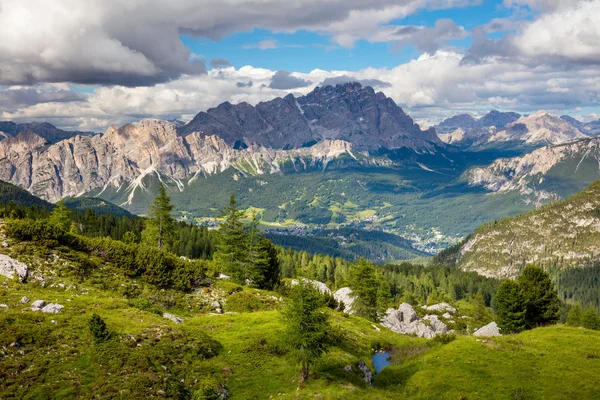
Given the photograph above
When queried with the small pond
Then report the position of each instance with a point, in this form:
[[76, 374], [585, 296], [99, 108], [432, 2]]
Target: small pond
[[381, 360]]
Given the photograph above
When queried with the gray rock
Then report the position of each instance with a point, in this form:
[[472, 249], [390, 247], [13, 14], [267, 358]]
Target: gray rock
[[441, 307], [368, 375], [3, 306], [320, 286], [345, 295], [348, 368], [489, 330], [173, 318], [215, 304], [52, 308], [24, 299], [37, 305], [405, 320], [447, 315], [10, 267], [224, 277], [5, 244]]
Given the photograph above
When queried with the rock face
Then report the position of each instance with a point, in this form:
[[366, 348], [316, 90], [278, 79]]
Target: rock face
[[173, 318], [405, 320], [348, 112], [368, 374], [539, 175], [345, 295], [9, 267], [320, 286], [441, 307], [489, 330], [330, 127], [43, 129]]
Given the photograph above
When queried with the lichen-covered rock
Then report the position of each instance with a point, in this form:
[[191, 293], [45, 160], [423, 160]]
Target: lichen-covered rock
[[489, 330], [345, 295], [52, 308], [320, 286], [368, 374], [441, 307], [405, 320], [9, 267], [173, 318], [37, 305]]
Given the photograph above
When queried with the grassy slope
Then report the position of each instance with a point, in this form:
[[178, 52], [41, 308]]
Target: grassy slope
[[60, 360]]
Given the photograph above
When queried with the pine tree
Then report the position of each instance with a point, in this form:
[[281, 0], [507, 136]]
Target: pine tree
[[543, 305], [589, 319], [62, 216], [364, 287], [575, 316], [232, 247], [511, 307], [160, 230], [264, 270], [306, 327], [383, 296]]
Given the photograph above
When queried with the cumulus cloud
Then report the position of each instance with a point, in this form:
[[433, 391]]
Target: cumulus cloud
[[285, 81], [220, 63], [135, 43], [18, 97]]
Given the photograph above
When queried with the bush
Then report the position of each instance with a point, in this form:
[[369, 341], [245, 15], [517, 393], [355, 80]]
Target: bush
[[444, 338], [98, 329]]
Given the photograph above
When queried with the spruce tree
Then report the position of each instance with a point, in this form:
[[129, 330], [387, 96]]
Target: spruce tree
[[160, 230], [364, 285], [62, 216], [383, 296], [264, 270], [306, 327], [231, 253], [575, 316], [543, 305], [511, 307], [589, 319]]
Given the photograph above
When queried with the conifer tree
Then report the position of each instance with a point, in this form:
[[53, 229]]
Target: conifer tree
[[232, 247], [511, 307], [575, 316], [383, 296], [306, 327], [589, 319], [264, 269], [62, 216], [543, 305], [160, 228], [364, 285]]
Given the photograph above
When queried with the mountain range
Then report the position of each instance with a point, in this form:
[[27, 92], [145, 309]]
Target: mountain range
[[340, 156]]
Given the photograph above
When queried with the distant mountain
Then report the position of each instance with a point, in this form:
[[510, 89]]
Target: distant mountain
[[591, 128], [548, 173], [535, 130], [349, 112], [45, 130], [466, 122]]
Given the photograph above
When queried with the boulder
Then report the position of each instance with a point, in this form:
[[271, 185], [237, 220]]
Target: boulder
[[320, 286], [224, 277], [37, 305], [24, 299], [52, 308], [173, 318], [447, 315], [345, 295], [435, 324], [489, 330], [3, 306], [368, 375], [405, 320], [348, 368], [10, 267], [441, 307]]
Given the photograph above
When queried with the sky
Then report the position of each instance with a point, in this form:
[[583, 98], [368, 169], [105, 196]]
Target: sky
[[88, 64]]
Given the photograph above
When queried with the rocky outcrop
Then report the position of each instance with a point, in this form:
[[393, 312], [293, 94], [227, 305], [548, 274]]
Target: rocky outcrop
[[173, 318], [489, 330], [45, 130], [441, 307], [405, 320], [320, 286], [367, 373], [10, 268], [49, 308], [344, 295]]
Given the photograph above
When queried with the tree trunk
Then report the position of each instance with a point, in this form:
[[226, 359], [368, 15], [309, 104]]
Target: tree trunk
[[304, 372]]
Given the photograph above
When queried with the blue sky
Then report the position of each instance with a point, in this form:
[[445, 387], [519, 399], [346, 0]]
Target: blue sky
[[304, 51]]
